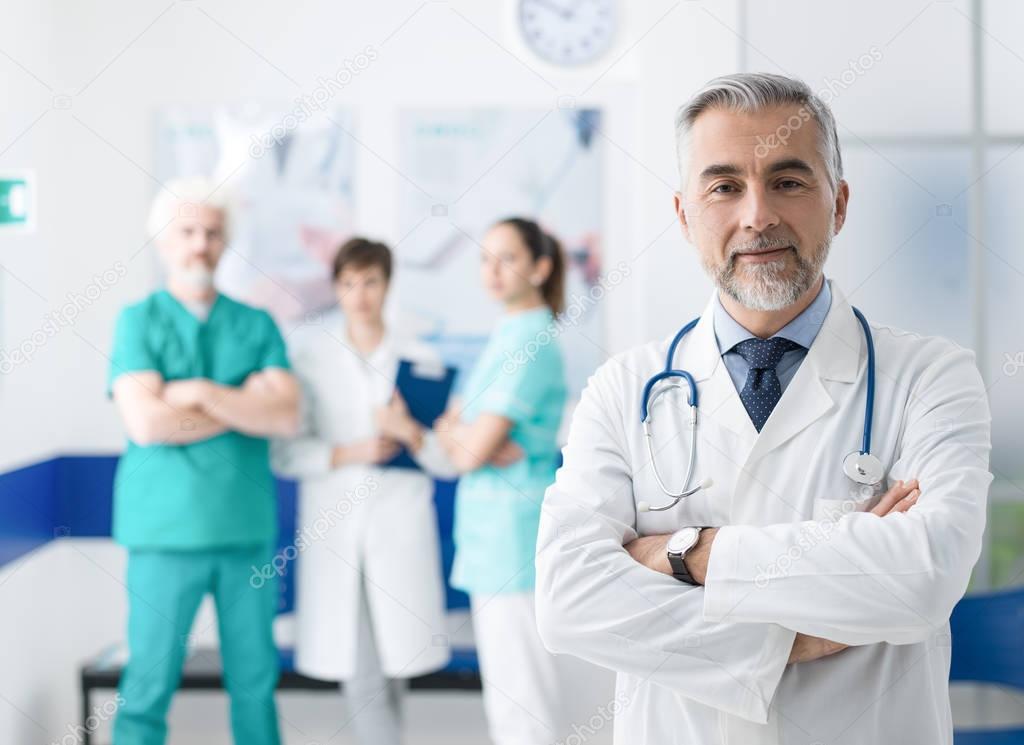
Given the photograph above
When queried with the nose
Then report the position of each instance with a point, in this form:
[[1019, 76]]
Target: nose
[[758, 213]]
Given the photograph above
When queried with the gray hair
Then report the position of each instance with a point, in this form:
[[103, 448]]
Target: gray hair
[[749, 92], [189, 193]]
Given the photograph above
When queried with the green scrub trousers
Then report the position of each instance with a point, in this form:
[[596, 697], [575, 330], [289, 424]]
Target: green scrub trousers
[[164, 591]]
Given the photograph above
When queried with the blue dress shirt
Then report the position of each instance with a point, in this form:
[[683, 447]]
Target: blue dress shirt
[[802, 330]]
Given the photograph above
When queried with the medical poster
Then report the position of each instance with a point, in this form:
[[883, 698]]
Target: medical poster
[[463, 170], [290, 178]]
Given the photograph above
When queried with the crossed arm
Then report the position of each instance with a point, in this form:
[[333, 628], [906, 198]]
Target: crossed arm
[[652, 552], [471, 445], [888, 579], [185, 411]]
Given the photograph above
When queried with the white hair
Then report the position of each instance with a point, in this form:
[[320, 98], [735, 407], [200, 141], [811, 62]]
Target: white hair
[[187, 194], [750, 92]]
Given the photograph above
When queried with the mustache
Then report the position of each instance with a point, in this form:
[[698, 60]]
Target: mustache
[[761, 245]]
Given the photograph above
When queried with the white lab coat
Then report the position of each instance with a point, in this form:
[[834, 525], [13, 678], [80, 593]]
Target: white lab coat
[[361, 518], [708, 664]]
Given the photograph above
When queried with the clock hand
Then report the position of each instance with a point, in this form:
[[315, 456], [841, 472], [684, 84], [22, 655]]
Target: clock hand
[[563, 12]]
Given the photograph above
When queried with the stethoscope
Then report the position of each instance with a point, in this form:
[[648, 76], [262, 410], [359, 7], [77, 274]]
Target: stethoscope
[[860, 465]]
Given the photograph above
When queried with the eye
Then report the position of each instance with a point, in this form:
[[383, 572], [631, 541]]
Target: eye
[[717, 189], [790, 184]]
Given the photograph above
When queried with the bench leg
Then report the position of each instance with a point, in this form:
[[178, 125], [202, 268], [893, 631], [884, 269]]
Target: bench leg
[[86, 734]]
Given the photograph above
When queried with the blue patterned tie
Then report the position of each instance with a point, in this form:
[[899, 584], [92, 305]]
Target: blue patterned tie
[[762, 390]]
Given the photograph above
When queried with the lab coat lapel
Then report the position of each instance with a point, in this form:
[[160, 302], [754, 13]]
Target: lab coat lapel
[[834, 356]]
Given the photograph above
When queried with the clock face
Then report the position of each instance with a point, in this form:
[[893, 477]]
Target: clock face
[[568, 32]]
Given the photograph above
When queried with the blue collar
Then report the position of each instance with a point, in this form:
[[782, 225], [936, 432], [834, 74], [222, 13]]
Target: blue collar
[[802, 329]]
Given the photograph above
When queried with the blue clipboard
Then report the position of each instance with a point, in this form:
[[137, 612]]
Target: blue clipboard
[[425, 388]]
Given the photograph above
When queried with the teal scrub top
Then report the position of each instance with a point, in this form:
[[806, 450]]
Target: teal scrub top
[[520, 376], [210, 494]]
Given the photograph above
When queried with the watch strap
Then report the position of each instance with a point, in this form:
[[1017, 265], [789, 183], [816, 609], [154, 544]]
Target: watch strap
[[679, 570], [678, 562]]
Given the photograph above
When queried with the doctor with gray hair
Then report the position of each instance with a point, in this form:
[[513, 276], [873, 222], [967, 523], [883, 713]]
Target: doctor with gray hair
[[767, 547]]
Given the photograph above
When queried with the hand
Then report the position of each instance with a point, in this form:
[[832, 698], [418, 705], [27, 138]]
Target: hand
[[193, 393], [809, 648], [448, 420], [506, 455], [258, 381], [395, 422], [900, 498], [372, 451]]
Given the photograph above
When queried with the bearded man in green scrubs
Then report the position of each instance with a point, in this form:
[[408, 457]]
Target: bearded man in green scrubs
[[200, 382]]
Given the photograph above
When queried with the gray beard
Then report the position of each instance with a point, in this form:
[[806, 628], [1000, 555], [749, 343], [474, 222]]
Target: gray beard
[[198, 278], [770, 286]]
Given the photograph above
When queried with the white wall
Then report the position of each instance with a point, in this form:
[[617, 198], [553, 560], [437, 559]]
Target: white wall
[[119, 63], [92, 159]]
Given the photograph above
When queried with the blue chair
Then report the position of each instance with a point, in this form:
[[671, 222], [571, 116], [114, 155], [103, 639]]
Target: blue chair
[[988, 647]]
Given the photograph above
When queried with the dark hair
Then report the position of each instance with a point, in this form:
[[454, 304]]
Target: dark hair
[[362, 253], [541, 244]]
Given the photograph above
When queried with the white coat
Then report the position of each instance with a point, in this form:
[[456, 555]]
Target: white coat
[[795, 553], [361, 518]]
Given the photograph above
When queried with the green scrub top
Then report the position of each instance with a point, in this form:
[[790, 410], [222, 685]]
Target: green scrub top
[[215, 493], [520, 376]]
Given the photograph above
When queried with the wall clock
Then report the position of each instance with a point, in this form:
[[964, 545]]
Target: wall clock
[[567, 32]]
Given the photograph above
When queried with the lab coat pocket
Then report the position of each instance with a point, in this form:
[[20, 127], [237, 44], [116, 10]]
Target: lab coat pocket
[[859, 498]]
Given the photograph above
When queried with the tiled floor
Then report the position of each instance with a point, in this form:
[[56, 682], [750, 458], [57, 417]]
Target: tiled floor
[[431, 718], [456, 718]]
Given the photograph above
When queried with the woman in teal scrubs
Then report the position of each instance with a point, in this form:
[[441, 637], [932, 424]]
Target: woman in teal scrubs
[[502, 437]]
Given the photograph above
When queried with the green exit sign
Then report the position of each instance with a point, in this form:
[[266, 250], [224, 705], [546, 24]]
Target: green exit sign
[[16, 201]]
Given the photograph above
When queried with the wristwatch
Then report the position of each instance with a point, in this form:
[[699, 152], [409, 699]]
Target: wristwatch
[[678, 546]]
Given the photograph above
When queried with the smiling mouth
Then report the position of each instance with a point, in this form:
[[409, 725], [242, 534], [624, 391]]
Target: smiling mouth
[[769, 254]]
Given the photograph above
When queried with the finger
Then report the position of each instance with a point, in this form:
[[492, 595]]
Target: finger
[[907, 502], [899, 496], [896, 492]]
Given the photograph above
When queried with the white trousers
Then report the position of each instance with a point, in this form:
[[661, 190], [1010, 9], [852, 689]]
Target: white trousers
[[522, 694], [374, 701]]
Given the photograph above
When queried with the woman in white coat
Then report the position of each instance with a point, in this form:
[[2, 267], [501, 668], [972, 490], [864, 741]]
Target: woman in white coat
[[370, 593]]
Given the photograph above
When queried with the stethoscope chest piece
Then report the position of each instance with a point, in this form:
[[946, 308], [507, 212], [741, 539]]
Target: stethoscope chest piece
[[864, 468]]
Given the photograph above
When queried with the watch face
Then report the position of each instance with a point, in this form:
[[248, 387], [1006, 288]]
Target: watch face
[[682, 540]]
